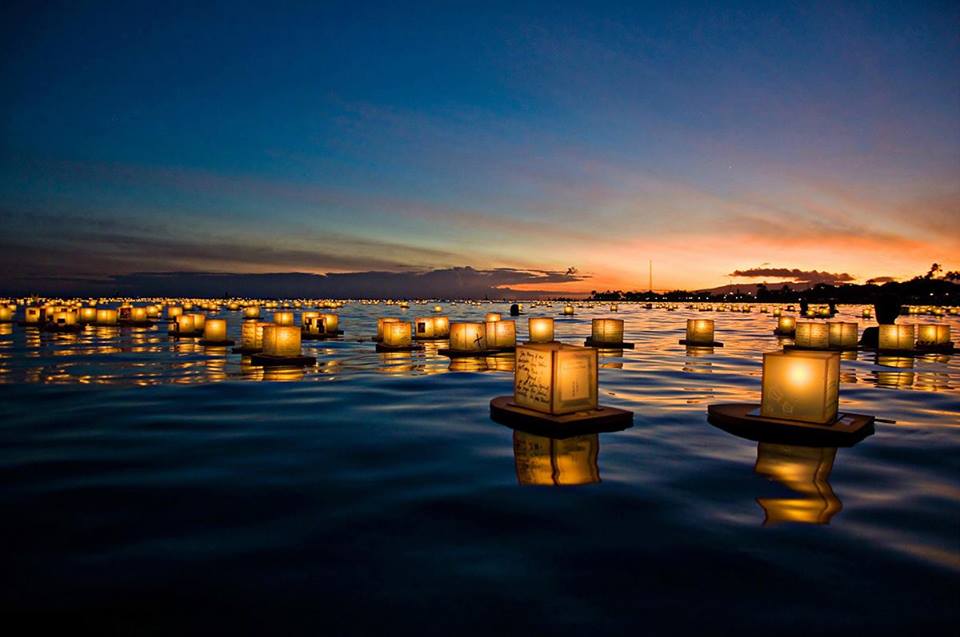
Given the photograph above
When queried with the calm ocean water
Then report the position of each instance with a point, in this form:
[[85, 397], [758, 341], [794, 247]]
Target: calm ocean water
[[152, 486]]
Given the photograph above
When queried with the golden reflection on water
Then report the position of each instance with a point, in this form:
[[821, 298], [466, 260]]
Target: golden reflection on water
[[895, 379], [283, 374], [399, 363], [806, 472], [548, 462]]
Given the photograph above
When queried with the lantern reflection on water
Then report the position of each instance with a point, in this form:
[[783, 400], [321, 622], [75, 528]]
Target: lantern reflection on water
[[843, 335], [902, 378], [812, 335], [556, 379], [540, 329], [805, 471], [801, 385], [896, 337], [544, 461]]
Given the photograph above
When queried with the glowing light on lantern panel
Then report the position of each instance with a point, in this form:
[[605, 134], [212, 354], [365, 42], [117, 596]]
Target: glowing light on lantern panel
[[88, 314], [397, 334], [441, 326], [607, 330], [803, 386], [699, 331], [381, 325], [65, 318], [555, 378], [786, 324], [331, 323], [424, 327], [813, 335], [107, 317], [215, 330], [281, 340], [843, 334], [467, 337], [32, 314], [251, 334], [311, 322], [568, 309], [933, 334], [173, 311], [6, 314], [138, 314], [541, 330], [491, 316], [500, 334], [896, 337], [251, 312], [184, 325], [283, 318]]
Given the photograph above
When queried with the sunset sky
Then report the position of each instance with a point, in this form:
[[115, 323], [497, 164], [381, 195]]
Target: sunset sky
[[354, 137]]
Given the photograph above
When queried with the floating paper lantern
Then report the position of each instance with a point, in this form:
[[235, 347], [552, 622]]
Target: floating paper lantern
[[568, 310], [468, 337], [153, 311], [199, 321], [843, 335], [556, 379], [382, 323], [896, 337], [491, 316], [331, 323], [215, 331], [541, 330], [607, 331], [614, 308], [183, 325], [281, 341], [283, 318], [397, 334], [33, 315], [138, 314], [6, 314], [65, 319], [777, 311], [251, 312], [547, 462], [251, 335], [867, 313], [699, 332], [500, 334], [933, 334], [801, 385], [441, 327], [173, 311], [424, 327], [786, 325], [311, 323], [437, 308], [812, 335], [106, 317]]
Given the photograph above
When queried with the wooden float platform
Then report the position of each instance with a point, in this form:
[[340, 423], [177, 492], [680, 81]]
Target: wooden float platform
[[266, 360], [684, 341], [589, 342], [742, 419], [446, 351], [406, 348], [603, 419], [226, 343]]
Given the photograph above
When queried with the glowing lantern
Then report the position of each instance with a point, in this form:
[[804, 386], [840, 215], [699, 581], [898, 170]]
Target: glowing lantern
[[153, 311], [500, 334], [801, 385], [437, 308], [896, 337], [106, 317], [425, 327], [138, 314], [568, 310], [441, 326], [786, 325], [281, 340], [283, 318], [555, 379], [199, 321], [541, 330], [491, 316], [33, 315], [867, 313], [933, 334], [173, 311], [6, 314], [311, 322], [381, 325], [843, 335], [777, 312], [614, 308], [215, 330], [183, 325], [812, 335], [467, 337], [607, 331], [397, 334], [65, 318], [547, 462], [251, 335], [251, 312], [331, 323], [700, 331]]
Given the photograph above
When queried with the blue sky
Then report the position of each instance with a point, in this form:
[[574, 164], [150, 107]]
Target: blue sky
[[304, 137]]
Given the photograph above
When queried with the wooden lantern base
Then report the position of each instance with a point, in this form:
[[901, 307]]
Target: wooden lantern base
[[194, 334], [946, 348], [266, 360], [790, 333], [916, 351], [65, 329], [451, 353], [246, 350], [326, 336], [216, 343], [504, 411], [601, 345], [135, 323], [690, 343], [802, 348], [740, 419], [427, 339], [413, 347]]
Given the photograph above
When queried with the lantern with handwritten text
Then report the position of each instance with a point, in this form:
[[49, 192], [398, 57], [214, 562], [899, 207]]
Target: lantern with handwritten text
[[500, 334], [604, 330], [896, 337], [801, 385], [331, 323], [811, 335], [555, 379], [843, 335]]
